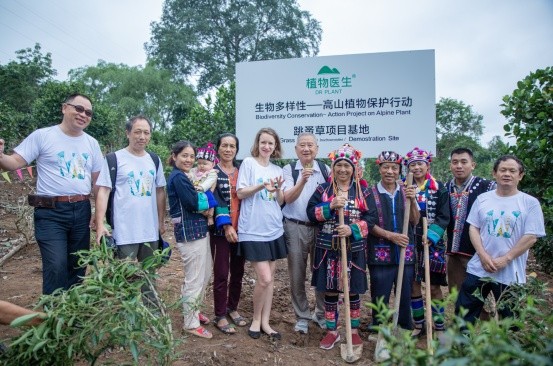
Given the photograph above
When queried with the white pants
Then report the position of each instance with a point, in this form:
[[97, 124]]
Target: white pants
[[196, 258]]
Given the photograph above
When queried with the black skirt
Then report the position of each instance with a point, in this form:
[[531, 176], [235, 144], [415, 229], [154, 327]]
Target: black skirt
[[259, 251]]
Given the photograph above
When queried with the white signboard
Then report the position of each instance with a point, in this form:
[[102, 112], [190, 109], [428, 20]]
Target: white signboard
[[375, 102]]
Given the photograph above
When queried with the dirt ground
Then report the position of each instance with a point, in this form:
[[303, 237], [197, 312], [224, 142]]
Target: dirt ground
[[21, 281]]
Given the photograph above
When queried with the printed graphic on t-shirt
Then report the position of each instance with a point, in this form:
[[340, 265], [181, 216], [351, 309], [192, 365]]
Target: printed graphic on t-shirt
[[73, 166], [265, 194], [502, 224], [141, 183]]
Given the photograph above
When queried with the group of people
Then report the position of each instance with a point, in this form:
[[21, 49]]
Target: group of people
[[225, 214]]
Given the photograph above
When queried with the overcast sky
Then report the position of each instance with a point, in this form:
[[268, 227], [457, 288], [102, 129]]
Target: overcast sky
[[483, 47]]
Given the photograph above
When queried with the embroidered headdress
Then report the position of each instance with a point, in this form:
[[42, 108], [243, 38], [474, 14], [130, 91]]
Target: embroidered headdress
[[345, 152], [389, 157], [417, 155], [422, 155], [207, 152]]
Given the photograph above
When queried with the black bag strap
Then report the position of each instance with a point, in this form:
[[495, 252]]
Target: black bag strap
[[112, 165], [322, 167]]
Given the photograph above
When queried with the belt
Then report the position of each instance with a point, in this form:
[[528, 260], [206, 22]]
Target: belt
[[72, 199], [299, 222]]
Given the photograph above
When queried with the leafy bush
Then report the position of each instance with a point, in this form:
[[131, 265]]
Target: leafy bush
[[494, 342], [529, 111], [104, 312]]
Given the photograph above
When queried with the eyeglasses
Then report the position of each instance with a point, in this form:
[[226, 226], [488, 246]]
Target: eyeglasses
[[81, 109]]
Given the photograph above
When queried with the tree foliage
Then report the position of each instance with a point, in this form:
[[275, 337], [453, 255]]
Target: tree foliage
[[21, 80], [148, 90], [106, 311], [529, 111], [454, 117], [204, 39], [206, 123], [458, 125]]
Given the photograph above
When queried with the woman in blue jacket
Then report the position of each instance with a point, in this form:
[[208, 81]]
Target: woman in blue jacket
[[187, 208]]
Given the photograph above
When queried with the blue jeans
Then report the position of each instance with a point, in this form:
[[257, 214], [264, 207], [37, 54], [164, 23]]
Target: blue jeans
[[383, 280], [61, 232], [473, 304]]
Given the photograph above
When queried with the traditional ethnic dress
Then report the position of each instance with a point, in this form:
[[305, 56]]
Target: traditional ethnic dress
[[327, 266], [432, 198], [460, 203]]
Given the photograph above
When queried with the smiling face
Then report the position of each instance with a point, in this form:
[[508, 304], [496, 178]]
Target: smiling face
[[343, 171], [139, 135], [419, 170], [306, 149], [267, 145], [389, 173], [508, 174], [74, 121], [184, 160]]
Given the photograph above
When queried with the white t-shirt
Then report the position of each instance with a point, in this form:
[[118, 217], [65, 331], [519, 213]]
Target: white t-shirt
[[502, 222], [64, 163], [297, 209], [260, 214], [135, 218]]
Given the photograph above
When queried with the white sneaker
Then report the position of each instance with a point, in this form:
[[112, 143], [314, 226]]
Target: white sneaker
[[302, 326], [321, 322]]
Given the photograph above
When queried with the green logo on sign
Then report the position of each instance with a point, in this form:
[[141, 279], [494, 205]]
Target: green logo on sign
[[328, 70], [329, 81]]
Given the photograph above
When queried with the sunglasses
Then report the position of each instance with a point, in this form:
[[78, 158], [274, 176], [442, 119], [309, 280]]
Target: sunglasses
[[81, 109]]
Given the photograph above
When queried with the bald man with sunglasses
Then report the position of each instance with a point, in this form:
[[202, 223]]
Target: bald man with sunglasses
[[68, 162]]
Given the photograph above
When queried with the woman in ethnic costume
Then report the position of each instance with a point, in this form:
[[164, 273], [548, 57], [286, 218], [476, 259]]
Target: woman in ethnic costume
[[344, 191], [228, 266], [433, 202]]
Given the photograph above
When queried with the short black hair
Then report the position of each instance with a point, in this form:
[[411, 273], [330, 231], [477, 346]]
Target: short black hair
[[462, 150], [72, 97], [508, 157], [132, 121]]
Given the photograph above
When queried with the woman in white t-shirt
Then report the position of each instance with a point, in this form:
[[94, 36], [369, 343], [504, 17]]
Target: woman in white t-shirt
[[260, 229]]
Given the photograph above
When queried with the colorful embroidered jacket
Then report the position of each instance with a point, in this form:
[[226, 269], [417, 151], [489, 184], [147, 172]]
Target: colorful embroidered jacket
[[433, 201], [458, 240], [355, 215], [185, 204], [381, 213], [228, 208]]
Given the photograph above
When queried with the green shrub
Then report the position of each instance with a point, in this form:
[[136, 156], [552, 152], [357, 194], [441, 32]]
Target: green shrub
[[106, 311], [494, 342]]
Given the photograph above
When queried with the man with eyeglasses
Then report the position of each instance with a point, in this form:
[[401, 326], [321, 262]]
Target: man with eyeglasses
[[68, 162]]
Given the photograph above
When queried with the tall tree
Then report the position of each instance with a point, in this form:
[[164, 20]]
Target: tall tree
[[205, 123], [204, 39], [20, 80], [454, 117], [136, 90], [529, 111], [458, 125]]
